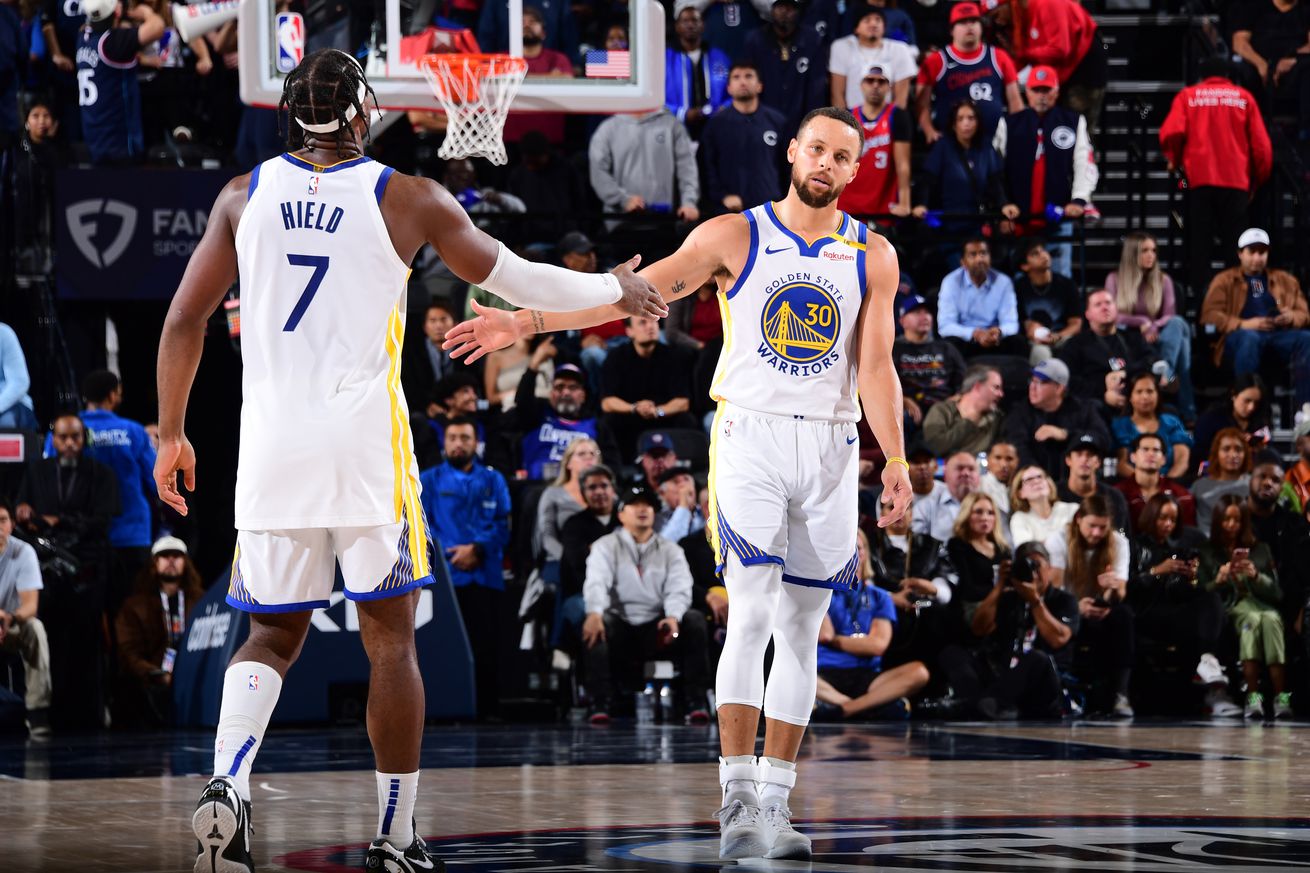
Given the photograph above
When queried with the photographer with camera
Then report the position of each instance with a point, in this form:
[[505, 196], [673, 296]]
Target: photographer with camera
[[1026, 625]]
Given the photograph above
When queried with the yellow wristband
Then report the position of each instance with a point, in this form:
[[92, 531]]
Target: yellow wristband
[[897, 459]]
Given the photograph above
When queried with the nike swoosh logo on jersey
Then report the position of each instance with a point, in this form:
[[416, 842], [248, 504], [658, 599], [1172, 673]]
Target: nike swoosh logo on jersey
[[851, 441], [769, 251]]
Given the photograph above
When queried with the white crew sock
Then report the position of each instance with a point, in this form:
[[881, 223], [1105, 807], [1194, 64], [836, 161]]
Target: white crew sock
[[737, 778], [777, 777], [250, 691], [396, 793]]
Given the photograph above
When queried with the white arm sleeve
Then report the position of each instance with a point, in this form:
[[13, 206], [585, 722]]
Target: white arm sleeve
[[552, 289]]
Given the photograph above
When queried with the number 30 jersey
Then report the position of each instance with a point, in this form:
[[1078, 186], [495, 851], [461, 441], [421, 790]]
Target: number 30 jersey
[[325, 438], [790, 322]]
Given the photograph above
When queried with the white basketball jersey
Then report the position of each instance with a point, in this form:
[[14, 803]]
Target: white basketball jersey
[[325, 438], [789, 322]]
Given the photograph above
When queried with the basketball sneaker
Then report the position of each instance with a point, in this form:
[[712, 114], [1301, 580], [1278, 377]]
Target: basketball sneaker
[[1283, 705], [222, 826], [383, 857], [785, 842], [740, 833], [1255, 705]]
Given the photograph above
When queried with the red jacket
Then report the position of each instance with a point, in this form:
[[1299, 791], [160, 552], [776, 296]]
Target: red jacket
[[1214, 131], [1053, 32]]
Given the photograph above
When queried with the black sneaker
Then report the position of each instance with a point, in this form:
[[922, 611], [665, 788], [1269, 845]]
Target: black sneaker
[[385, 858], [222, 826]]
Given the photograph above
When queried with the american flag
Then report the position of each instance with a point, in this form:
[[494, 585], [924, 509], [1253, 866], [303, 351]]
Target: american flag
[[608, 65]]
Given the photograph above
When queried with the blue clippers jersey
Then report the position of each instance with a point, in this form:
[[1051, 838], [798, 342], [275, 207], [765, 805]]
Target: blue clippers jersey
[[110, 99]]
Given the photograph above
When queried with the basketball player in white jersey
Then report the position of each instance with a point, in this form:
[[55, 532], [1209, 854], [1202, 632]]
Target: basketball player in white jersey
[[321, 239], [806, 295]]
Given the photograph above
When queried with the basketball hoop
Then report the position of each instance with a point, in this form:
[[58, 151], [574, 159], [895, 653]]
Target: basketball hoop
[[476, 91]]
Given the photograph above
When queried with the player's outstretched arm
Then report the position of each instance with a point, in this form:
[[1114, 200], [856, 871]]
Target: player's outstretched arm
[[210, 272], [880, 386], [700, 256]]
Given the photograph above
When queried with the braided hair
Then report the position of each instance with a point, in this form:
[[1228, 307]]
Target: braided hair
[[322, 95]]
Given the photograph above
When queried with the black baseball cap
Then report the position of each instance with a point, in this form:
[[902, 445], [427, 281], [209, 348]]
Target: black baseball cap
[[1085, 442], [571, 371], [673, 473], [639, 494], [575, 242]]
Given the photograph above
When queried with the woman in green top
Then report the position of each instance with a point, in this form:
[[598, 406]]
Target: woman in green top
[[1242, 571]]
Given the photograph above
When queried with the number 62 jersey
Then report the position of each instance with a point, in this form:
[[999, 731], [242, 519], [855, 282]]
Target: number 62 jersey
[[325, 439]]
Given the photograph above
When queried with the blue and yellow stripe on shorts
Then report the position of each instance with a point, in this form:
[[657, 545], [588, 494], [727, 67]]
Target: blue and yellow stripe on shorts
[[237, 594]]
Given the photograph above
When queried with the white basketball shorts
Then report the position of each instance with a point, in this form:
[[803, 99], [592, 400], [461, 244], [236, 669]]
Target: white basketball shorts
[[785, 490], [294, 570]]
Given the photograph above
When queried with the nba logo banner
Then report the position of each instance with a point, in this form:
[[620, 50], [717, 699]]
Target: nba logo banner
[[290, 41]]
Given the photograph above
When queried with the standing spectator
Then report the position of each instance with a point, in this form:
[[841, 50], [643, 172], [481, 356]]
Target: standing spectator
[[467, 508], [970, 422], [1101, 357], [695, 73], [1035, 513], [1285, 528], [15, 404], [882, 185], [1049, 303], [1050, 168], [1144, 480], [851, 57], [1144, 295], [977, 308], [743, 145], [729, 22], [645, 384], [544, 58], [150, 626], [1241, 569], [899, 24], [936, 514], [645, 162], [639, 602], [1083, 459], [1245, 408], [976, 547], [1002, 462], [1091, 563], [13, 71], [1228, 471], [792, 63], [549, 184], [963, 175], [931, 369], [1059, 34], [61, 28], [966, 70], [1144, 416], [1215, 135], [576, 536], [561, 31], [169, 81], [550, 426], [1256, 309], [562, 500], [107, 77], [1042, 427], [20, 629]]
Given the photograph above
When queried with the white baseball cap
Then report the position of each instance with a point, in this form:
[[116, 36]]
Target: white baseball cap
[[1252, 236], [168, 544]]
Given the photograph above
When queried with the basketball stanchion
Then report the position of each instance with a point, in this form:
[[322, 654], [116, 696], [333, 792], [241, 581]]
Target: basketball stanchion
[[475, 91]]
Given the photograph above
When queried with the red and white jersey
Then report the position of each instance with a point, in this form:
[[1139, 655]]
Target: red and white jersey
[[873, 191]]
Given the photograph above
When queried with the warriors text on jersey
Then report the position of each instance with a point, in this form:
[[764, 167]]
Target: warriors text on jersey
[[325, 438]]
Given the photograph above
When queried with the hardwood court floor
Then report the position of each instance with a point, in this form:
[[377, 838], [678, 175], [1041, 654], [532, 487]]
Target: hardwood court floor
[[970, 797]]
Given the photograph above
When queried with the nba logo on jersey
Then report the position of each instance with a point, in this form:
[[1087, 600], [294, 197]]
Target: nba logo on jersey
[[313, 184], [253, 682], [290, 41]]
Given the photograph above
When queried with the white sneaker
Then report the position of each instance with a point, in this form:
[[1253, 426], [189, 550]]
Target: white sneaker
[[740, 832], [1209, 671], [1221, 705], [1122, 708], [784, 841]]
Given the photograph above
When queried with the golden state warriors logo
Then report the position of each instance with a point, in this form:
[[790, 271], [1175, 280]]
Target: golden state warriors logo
[[801, 322]]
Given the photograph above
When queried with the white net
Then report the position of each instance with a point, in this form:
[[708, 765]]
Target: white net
[[476, 92]]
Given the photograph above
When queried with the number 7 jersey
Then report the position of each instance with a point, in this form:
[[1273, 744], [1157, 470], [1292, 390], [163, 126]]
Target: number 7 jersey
[[790, 322], [325, 438]]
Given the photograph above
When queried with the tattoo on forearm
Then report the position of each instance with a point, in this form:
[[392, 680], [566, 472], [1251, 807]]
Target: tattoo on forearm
[[538, 322], [678, 286]]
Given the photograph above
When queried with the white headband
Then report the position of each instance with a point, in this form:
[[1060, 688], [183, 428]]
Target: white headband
[[333, 125]]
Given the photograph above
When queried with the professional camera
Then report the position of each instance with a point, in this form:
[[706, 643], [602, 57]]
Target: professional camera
[[1023, 570]]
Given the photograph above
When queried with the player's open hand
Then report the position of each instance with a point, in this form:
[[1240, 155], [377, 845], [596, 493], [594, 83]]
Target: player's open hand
[[493, 329], [896, 493], [175, 456], [639, 295]]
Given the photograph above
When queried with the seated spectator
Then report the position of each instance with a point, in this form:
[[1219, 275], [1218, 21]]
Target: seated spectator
[[149, 628], [562, 500], [695, 74], [1270, 37], [1228, 471], [1256, 310], [645, 384], [976, 549], [696, 320], [914, 570], [1035, 513], [578, 533], [970, 69], [1143, 480], [1042, 427], [550, 426], [936, 514], [455, 397], [743, 146], [1145, 416], [707, 588], [855, 634], [1025, 624], [963, 176], [1101, 357], [1144, 296], [461, 180], [505, 369], [639, 605], [21, 630], [923, 475], [883, 184], [426, 363], [1002, 461], [657, 455], [791, 63], [1091, 562], [1169, 606], [976, 306], [1049, 303], [1083, 459], [931, 370], [1298, 475], [1241, 569], [467, 507], [850, 57], [1246, 408], [970, 421], [1061, 34], [681, 515], [15, 405]]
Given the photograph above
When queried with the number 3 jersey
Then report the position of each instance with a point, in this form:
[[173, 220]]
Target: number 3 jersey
[[325, 438], [790, 322]]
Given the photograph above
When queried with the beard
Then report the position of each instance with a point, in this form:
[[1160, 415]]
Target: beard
[[568, 409], [532, 39], [810, 199]]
